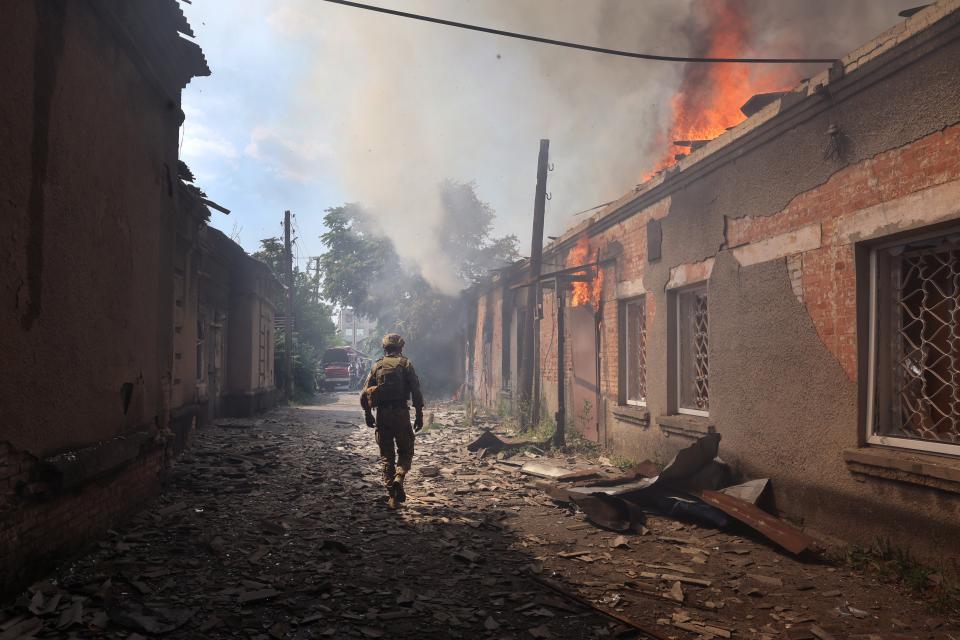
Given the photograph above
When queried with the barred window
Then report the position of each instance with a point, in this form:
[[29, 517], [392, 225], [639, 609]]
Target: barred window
[[693, 346], [633, 367], [915, 345]]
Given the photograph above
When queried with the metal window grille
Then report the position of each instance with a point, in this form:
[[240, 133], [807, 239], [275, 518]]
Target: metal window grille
[[700, 348], [692, 351], [635, 350], [924, 397]]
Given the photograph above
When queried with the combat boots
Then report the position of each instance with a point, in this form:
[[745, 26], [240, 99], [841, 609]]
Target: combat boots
[[395, 491], [398, 482]]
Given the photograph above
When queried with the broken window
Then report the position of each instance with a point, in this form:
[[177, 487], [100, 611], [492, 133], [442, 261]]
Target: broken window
[[915, 344], [693, 346], [488, 341], [633, 368]]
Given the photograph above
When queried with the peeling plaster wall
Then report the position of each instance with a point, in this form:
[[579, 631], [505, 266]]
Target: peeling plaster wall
[[85, 289], [792, 411], [770, 223], [87, 209], [783, 373], [252, 316]]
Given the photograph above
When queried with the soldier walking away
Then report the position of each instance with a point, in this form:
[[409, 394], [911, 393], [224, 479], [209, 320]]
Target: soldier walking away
[[392, 381]]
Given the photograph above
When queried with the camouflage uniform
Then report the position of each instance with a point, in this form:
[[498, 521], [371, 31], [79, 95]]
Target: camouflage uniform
[[394, 430]]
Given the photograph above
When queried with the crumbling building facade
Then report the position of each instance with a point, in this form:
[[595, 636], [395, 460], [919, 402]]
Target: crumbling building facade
[[125, 321], [793, 284]]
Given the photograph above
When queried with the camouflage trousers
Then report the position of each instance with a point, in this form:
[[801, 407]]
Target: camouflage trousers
[[395, 439]]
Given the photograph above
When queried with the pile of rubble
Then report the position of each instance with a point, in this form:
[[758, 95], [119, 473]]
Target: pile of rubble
[[696, 554], [686, 488], [278, 528]]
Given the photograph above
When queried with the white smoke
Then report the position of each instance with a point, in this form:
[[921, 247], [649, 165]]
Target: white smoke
[[403, 105]]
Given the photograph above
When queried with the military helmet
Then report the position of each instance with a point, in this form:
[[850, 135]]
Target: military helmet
[[393, 341]]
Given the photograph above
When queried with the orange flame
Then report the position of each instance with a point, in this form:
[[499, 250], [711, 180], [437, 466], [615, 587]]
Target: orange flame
[[710, 95], [584, 292]]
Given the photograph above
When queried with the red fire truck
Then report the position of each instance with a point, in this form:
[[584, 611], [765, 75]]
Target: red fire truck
[[343, 367]]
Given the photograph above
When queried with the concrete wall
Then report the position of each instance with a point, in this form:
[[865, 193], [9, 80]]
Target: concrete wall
[[773, 224]]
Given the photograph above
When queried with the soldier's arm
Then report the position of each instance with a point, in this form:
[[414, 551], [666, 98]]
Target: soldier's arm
[[364, 396], [414, 382]]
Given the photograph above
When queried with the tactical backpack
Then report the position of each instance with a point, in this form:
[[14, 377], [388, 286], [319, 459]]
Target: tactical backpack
[[391, 387]]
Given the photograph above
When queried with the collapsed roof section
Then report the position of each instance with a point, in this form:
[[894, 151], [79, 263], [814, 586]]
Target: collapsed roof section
[[155, 34], [765, 111]]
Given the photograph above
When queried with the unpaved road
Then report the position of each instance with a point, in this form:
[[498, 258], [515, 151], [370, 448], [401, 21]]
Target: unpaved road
[[277, 527]]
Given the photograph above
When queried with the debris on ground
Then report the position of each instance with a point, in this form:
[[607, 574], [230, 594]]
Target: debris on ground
[[277, 527]]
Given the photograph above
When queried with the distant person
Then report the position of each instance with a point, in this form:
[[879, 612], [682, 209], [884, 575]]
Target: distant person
[[392, 381]]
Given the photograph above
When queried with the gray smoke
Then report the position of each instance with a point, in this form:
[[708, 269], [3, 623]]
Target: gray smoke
[[404, 105]]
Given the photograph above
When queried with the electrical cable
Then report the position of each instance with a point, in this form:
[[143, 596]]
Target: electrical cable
[[574, 45], [580, 213], [298, 248]]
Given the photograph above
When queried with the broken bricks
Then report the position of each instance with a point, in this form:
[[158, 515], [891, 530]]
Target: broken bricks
[[328, 567]]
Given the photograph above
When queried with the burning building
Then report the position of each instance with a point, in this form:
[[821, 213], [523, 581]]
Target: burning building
[[790, 283]]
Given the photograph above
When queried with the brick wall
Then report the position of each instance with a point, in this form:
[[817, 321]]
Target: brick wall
[[772, 227], [38, 531], [828, 272], [825, 277]]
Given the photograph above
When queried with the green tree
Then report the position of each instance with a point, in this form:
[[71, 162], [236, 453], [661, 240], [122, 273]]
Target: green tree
[[314, 330], [466, 229], [361, 269]]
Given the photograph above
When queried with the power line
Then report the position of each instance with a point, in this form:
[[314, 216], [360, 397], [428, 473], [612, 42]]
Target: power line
[[575, 45]]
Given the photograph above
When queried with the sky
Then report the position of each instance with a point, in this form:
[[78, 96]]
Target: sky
[[311, 105]]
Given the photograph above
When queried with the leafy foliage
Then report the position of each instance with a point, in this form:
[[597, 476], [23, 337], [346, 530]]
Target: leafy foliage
[[314, 330], [361, 269]]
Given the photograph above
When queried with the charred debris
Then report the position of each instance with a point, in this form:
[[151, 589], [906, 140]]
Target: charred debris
[[696, 486]]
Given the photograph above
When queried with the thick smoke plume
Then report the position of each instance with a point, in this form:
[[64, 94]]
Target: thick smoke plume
[[405, 105]]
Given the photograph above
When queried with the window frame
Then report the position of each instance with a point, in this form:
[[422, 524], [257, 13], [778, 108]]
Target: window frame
[[506, 342], [201, 349], [624, 400], [870, 426], [678, 294]]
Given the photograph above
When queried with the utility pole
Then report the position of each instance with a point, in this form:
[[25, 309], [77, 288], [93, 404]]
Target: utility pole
[[559, 436], [288, 325], [529, 401]]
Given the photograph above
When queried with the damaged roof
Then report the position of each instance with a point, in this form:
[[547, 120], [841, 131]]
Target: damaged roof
[[762, 108], [155, 34]]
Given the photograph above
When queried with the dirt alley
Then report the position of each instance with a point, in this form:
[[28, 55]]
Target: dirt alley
[[277, 527]]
